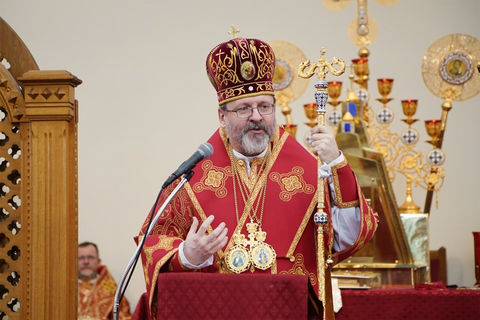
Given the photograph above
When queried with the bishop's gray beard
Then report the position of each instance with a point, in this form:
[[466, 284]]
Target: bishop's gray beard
[[255, 144], [251, 145]]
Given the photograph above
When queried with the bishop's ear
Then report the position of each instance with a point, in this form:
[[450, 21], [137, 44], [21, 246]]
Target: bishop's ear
[[221, 117]]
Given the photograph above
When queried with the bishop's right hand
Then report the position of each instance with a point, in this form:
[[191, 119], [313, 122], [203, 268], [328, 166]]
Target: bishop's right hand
[[199, 246]]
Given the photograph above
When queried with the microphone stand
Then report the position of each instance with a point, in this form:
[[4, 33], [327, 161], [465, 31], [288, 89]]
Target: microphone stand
[[133, 260]]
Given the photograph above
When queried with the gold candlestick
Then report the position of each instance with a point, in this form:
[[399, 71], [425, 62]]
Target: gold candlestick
[[409, 206], [409, 108], [384, 88], [283, 100], [311, 114], [433, 128], [360, 67], [334, 91], [409, 138], [385, 115]]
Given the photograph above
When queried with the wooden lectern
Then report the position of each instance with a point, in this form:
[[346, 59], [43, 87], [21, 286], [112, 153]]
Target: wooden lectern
[[196, 295]]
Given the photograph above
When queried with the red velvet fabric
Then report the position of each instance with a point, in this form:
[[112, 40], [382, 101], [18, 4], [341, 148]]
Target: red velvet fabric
[[411, 304], [141, 310], [241, 68], [227, 296]]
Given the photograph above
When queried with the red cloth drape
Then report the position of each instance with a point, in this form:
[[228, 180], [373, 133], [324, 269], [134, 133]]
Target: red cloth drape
[[411, 304], [226, 296]]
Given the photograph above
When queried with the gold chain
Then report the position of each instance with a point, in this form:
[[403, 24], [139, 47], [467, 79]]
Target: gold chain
[[244, 189], [252, 253]]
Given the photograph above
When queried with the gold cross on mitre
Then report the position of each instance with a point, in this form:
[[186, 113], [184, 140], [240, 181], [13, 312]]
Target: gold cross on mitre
[[234, 32]]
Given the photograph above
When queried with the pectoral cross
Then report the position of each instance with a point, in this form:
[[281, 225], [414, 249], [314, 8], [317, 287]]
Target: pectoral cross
[[254, 236]]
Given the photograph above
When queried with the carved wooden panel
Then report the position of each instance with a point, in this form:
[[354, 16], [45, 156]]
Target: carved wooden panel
[[13, 247], [38, 187]]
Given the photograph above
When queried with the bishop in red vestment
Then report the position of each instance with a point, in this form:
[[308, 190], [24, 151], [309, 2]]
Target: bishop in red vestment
[[249, 207]]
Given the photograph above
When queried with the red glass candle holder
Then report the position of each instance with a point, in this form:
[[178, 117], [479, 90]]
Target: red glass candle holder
[[384, 86]]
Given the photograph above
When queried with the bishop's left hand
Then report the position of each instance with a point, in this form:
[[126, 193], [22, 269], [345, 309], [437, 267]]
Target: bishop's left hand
[[324, 144]]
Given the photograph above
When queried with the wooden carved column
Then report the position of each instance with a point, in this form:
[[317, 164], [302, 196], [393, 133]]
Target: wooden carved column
[[51, 117]]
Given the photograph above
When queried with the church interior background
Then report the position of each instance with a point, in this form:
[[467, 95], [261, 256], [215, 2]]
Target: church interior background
[[145, 103]]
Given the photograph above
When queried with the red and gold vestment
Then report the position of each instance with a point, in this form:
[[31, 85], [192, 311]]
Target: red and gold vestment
[[95, 298], [289, 174]]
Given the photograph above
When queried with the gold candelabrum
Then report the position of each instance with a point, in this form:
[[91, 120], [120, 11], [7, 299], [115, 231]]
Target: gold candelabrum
[[400, 150]]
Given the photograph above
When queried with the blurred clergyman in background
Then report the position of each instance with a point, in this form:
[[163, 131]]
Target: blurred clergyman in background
[[96, 287]]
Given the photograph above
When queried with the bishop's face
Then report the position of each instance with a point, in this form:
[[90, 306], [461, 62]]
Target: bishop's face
[[249, 134], [88, 262]]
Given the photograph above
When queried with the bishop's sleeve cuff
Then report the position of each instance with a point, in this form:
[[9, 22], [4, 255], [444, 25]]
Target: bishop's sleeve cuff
[[345, 185], [180, 262]]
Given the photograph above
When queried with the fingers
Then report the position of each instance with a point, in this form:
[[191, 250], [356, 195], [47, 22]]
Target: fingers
[[205, 225], [223, 239], [215, 239], [322, 135], [216, 232], [324, 144], [320, 129], [193, 228], [203, 241], [199, 245]]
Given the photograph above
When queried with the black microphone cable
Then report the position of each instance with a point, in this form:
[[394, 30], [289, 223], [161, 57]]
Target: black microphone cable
[[187, 176], [205, 150], [152, 214]]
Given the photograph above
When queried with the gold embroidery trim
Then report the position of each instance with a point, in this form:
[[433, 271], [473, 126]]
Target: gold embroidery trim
[[291, 183], [253, 94], [196, 205], [213, 179], [277, 147], [336, 185], [249, 181], [365, 219], [299, 268], [164, 243], [273, 269], [160, 263], [301, 228]]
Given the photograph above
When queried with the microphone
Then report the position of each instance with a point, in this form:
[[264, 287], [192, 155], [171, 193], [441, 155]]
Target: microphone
[[205, 150]]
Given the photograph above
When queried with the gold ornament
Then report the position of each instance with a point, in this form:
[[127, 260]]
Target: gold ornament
[[448, 67], [260, 255], [335, 5], [362, 35], [285, 79], [252, 252], [288, 87], [386, 2]]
